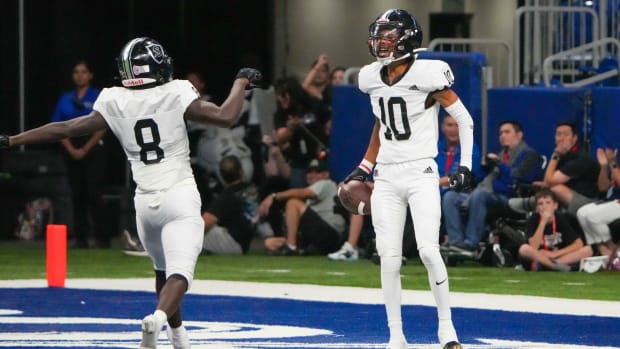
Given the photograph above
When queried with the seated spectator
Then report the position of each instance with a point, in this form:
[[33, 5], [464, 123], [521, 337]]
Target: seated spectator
[[549, 236], [228, 220], [572, 174], [595, 217], [515, 163], [311, 223]]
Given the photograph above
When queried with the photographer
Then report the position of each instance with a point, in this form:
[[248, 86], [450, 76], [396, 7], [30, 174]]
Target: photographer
[[517, 162], [301, 127]]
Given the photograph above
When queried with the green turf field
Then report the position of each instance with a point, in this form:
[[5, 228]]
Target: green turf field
[[19, 260]]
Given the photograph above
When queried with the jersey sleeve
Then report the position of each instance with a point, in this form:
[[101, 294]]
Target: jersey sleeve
[[363, 78], [187, 92], [101, 103], [435, 75]]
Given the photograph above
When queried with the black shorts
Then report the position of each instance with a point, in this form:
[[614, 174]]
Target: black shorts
[[316, 235]]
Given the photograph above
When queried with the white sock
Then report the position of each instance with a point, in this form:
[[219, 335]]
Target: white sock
[[161, 316], [392, 289]]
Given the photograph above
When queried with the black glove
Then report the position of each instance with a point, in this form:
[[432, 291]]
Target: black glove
[[461, 179], [358, 174], [4, 142], [253, 75]]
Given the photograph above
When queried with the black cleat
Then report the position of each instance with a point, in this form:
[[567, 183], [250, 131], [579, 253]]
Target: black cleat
[[452, 345]]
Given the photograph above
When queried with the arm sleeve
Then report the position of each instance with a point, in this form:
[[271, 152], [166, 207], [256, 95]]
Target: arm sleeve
[[466, 130]]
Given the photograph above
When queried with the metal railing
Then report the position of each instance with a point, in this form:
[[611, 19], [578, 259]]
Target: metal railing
[[546, 31], [563, 63], [497, 52]]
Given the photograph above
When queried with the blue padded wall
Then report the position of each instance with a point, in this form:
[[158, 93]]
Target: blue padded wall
[[538, 110], [352, 123], [605, 131], [467, 70]]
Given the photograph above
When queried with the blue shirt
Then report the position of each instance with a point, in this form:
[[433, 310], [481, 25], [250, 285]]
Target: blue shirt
[[69, 106], [442, 157]]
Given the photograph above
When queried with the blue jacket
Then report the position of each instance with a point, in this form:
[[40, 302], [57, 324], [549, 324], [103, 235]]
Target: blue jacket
[[70, 107], [442, 157], [524, 166]]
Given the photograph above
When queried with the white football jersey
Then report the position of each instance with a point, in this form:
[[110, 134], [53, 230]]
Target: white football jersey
[[150, 126], [408, 130]]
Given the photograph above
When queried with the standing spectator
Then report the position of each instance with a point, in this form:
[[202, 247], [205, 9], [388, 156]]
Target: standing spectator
[[317, 80], [311, 223], [405, 94], [155, 142], [85, 159], [337, 76], [572, 173], [300, 127], [549, 236], [515, 163], [228, 220]]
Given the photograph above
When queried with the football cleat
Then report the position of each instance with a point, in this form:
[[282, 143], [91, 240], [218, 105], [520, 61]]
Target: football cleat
[[151, 327], [180, 340]]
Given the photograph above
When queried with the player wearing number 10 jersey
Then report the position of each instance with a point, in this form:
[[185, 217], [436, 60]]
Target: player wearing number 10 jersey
[[147, 116], [405, 94]]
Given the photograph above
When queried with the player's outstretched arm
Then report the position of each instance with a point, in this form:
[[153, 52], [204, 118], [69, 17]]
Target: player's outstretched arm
[[56, 131], [229, 112]]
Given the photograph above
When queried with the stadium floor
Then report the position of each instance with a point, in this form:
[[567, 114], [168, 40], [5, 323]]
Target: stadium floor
[[97, 313]]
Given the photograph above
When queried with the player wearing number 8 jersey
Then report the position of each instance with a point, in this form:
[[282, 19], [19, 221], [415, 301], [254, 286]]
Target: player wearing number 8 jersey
[[405, 94], [147, 116]]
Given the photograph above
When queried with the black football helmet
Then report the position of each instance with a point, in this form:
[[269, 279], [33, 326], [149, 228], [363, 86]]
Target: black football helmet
[[144, 63], [406, 31]]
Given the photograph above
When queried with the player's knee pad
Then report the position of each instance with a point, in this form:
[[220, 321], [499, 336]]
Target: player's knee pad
[[430, 255], [390, 264]]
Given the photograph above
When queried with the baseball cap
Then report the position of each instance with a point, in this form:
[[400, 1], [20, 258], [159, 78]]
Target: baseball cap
[[317, 165]]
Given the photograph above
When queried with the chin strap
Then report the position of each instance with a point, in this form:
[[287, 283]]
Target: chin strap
[[390, 59]]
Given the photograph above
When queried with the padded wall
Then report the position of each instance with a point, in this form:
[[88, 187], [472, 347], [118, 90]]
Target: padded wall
[[538, 110], [605, 131]]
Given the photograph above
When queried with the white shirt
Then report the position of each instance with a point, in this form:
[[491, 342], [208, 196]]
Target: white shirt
[[149, 125], [408, 130]]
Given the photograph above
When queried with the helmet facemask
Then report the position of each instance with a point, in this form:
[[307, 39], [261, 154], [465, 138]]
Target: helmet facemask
[[386, 38]]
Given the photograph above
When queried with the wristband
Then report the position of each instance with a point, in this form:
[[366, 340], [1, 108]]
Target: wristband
[[274, 196], [366, 166]]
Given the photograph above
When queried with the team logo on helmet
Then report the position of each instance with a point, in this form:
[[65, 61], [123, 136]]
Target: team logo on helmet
[[156, 51]]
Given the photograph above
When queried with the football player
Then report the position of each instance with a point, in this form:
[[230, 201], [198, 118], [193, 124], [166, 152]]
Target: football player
[[405, 93], [147, 115]]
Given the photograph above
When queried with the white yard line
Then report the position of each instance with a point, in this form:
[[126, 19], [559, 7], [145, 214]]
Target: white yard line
[[357, 295]]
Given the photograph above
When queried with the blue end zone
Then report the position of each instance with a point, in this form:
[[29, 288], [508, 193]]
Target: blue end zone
[[76, 318]]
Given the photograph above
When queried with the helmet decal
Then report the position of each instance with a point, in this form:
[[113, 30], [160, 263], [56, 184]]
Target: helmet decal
[[156, 52]]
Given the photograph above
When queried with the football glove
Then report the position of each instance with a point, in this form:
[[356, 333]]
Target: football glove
[[4, 142], [358, 174], [254, 77], [461, 179]]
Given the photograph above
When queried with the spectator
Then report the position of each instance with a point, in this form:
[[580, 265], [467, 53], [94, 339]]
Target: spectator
[[449, 153], [337, 76], [595, 217], [317, 80], [572, 174], [311, 223], [228, 221], [549, 236], [517, 162], [85, 158], [300, 123]]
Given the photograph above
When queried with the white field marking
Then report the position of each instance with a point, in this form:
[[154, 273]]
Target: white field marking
[[575, 283], [510, 281], [357, 295], [275, 271], [336, 273]]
